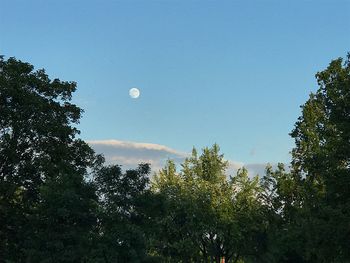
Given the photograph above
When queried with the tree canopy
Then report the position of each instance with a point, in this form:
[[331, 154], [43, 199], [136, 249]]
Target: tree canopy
[[207, 215], [60, 201], [321, 159], [42, 166]]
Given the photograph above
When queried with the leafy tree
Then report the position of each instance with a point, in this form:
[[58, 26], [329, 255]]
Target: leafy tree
[[64, 222], [208, 216], [282, 201], [50, 212], [321, 159], [121, 236], [38, 150]]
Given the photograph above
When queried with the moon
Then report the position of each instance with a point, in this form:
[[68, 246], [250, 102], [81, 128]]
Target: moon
[[134, 93]]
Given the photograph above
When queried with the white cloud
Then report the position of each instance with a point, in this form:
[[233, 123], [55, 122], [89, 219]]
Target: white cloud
[[233, 166], [130, 154], [253, 168], [135, 145]]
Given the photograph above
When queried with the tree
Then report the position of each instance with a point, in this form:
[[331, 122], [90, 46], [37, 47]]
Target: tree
[[321, 159], [64, 221], [208, 216], [121, 233], [282, 201], [38, 147]]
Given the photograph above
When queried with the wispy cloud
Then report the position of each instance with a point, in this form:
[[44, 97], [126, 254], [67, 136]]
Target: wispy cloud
[[253, 168], [130, 154]]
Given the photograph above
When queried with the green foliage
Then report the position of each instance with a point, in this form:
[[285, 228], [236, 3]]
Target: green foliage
[[281, 196], [58, 203], [38, 149], [208, 216], [64, 221], [121, 236], [322, 158]]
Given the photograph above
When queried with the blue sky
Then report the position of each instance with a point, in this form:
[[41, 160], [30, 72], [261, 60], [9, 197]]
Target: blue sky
[[230, 72]]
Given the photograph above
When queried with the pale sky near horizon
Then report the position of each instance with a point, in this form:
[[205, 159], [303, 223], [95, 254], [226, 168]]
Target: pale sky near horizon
[[230, 72]]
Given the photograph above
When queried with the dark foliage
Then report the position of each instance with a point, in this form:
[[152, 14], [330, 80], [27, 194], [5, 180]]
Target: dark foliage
[[60, 203]]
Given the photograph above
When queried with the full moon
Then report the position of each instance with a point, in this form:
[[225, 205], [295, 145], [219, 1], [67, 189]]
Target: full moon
[[134, 93]]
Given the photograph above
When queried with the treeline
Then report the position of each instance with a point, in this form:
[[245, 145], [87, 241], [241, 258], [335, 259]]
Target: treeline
[[59, 201]]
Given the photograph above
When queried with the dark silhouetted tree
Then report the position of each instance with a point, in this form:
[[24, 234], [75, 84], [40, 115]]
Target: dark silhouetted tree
[[39, 156], [321, 159], [121, 233]]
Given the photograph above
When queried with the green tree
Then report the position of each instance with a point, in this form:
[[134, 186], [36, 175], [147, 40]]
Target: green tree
[[208, 216], [321, 159], [282, 199], [64, 221], [121, 234], [38, 148]]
